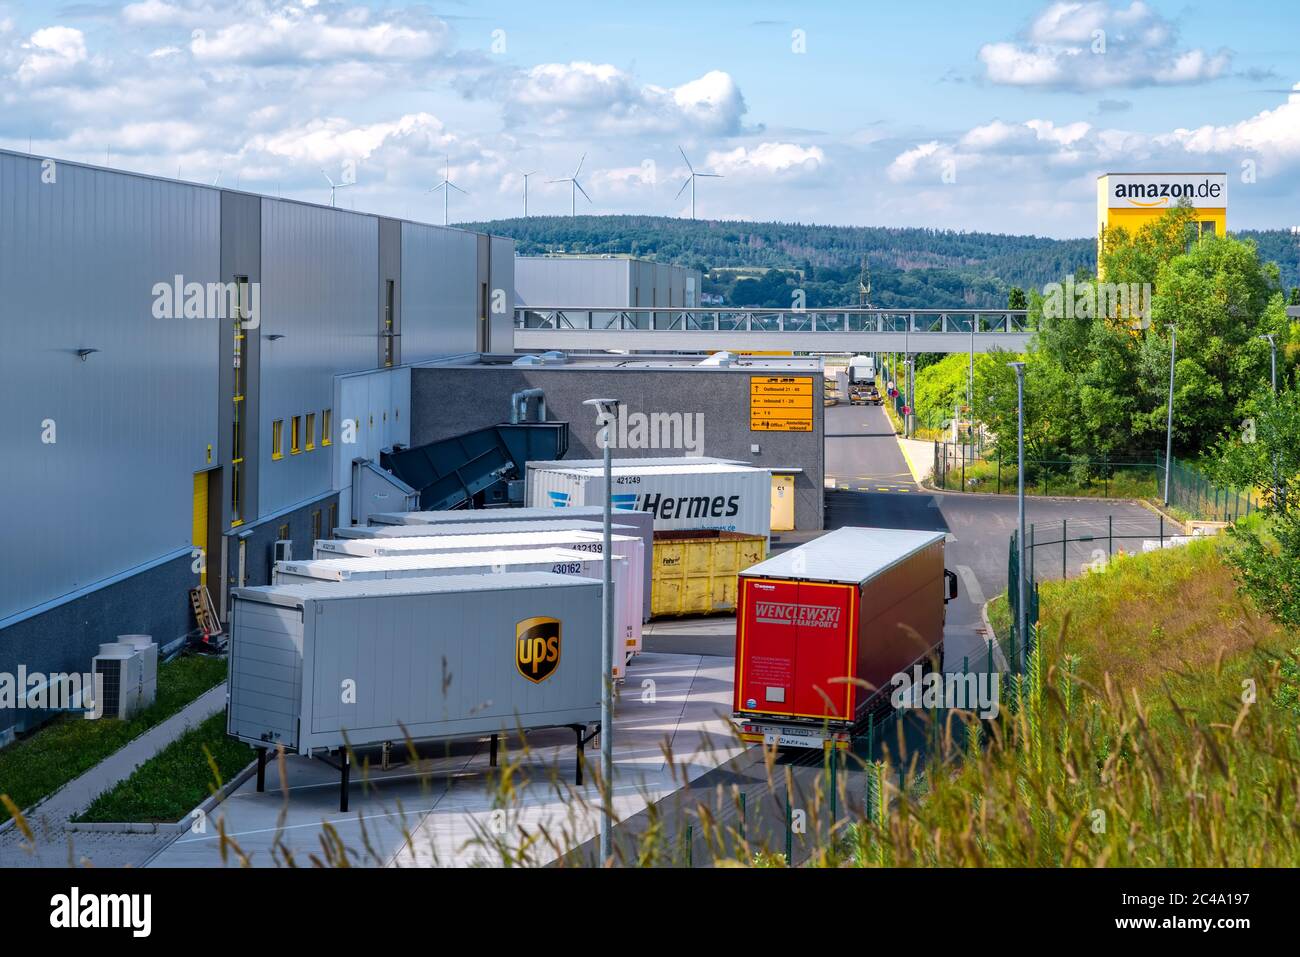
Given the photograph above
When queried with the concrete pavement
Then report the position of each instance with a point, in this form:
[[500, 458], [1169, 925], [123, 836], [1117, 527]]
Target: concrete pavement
[[443, 811]]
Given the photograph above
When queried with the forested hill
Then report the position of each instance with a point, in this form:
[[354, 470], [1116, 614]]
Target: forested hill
[[908, 267]]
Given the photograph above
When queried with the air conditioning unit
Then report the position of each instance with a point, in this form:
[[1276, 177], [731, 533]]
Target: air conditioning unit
[[283, 550], [148, 650], [119, 672]]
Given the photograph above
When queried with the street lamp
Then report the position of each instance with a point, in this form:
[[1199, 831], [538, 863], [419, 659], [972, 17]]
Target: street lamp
[[1169, 420], [1022, 613], [606, 414], [909, 425]]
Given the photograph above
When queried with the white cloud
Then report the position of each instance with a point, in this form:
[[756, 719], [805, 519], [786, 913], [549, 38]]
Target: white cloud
[[768, 160], [159, 13], [1274, 134], [1092, 45], [603, 97], [294, 35], [53, 55]]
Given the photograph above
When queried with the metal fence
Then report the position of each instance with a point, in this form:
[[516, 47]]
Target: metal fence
[[1192, 492], [961, 467]]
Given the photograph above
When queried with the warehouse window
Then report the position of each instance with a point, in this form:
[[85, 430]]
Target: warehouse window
[[334, 517], [315, 525], [295, 435], [389, 328], [284, 532], [326, 425], [277, 439], [311, 431]]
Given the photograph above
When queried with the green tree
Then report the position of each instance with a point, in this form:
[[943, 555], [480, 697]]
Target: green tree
[[1016, 298], [1222, 299], [1266, 455]]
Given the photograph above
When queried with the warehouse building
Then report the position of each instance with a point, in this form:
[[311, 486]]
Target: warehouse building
[[765, 411], [613, 282], [174, 355]]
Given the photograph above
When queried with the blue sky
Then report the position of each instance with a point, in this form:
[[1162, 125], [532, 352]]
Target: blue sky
[[962, 115]]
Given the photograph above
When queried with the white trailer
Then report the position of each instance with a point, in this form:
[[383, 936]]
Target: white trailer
[[468, 528], [427, 658], [559, 561], [685, 493], [862, 370], [643, 522]]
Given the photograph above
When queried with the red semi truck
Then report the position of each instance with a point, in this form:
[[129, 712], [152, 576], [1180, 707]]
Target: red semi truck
[[862, 603]]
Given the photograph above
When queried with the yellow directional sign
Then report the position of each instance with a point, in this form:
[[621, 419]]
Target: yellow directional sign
[[781, 403]]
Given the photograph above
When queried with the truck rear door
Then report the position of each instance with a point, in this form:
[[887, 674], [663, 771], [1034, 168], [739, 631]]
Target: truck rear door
[[793, 640], [824, 656], [765, 646]]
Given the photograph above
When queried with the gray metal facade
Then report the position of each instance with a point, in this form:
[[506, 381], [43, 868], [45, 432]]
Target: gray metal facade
[[616, 282], [101, 454], [320, 291], [439, 290], [132, 422]]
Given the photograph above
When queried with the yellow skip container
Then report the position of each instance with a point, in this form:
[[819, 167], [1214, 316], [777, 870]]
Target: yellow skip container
[[695, 571]]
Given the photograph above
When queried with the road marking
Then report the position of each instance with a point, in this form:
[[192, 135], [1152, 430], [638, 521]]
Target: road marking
[[972, 584]]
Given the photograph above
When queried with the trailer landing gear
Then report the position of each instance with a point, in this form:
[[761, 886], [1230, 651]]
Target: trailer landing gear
[[583, 738]]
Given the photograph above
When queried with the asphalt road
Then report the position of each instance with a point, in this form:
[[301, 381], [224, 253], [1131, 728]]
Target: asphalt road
[[863, 454]]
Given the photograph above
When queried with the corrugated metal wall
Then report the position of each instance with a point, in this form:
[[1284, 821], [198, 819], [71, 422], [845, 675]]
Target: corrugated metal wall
[[501, 337], [320, 287], [133, 421], [542, 281], [80, 254], [439, 294]]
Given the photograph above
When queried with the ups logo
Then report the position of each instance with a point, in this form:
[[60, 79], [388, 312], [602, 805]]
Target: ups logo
[[537, 648]]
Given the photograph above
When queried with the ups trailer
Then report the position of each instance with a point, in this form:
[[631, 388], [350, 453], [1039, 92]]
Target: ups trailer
[[643, 522], [682, 494], [324, 669], [558, 561], [820, 626]]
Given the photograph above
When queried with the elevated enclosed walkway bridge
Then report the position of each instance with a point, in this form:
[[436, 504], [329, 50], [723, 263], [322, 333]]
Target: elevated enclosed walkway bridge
[[856, 330]]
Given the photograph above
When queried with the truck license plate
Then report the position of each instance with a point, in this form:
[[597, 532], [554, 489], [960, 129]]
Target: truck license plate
[[793, 738]]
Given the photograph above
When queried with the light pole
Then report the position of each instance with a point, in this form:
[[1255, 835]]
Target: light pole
[[1169, 419], [910, 424], [970, 395], [1272, 344], [1022, 613], [606, 414]]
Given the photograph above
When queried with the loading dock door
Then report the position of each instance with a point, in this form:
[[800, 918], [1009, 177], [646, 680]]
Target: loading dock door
[[782, 503], [199, 533]]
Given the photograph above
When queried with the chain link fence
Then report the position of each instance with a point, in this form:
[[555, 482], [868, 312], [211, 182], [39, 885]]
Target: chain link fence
[[1192, 492], [960, 467]]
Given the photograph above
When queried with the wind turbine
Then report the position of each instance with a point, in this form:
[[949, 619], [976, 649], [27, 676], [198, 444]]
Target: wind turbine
[[334, 187], [447, 186], [574, 187], [525, 176], [690, 180]]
